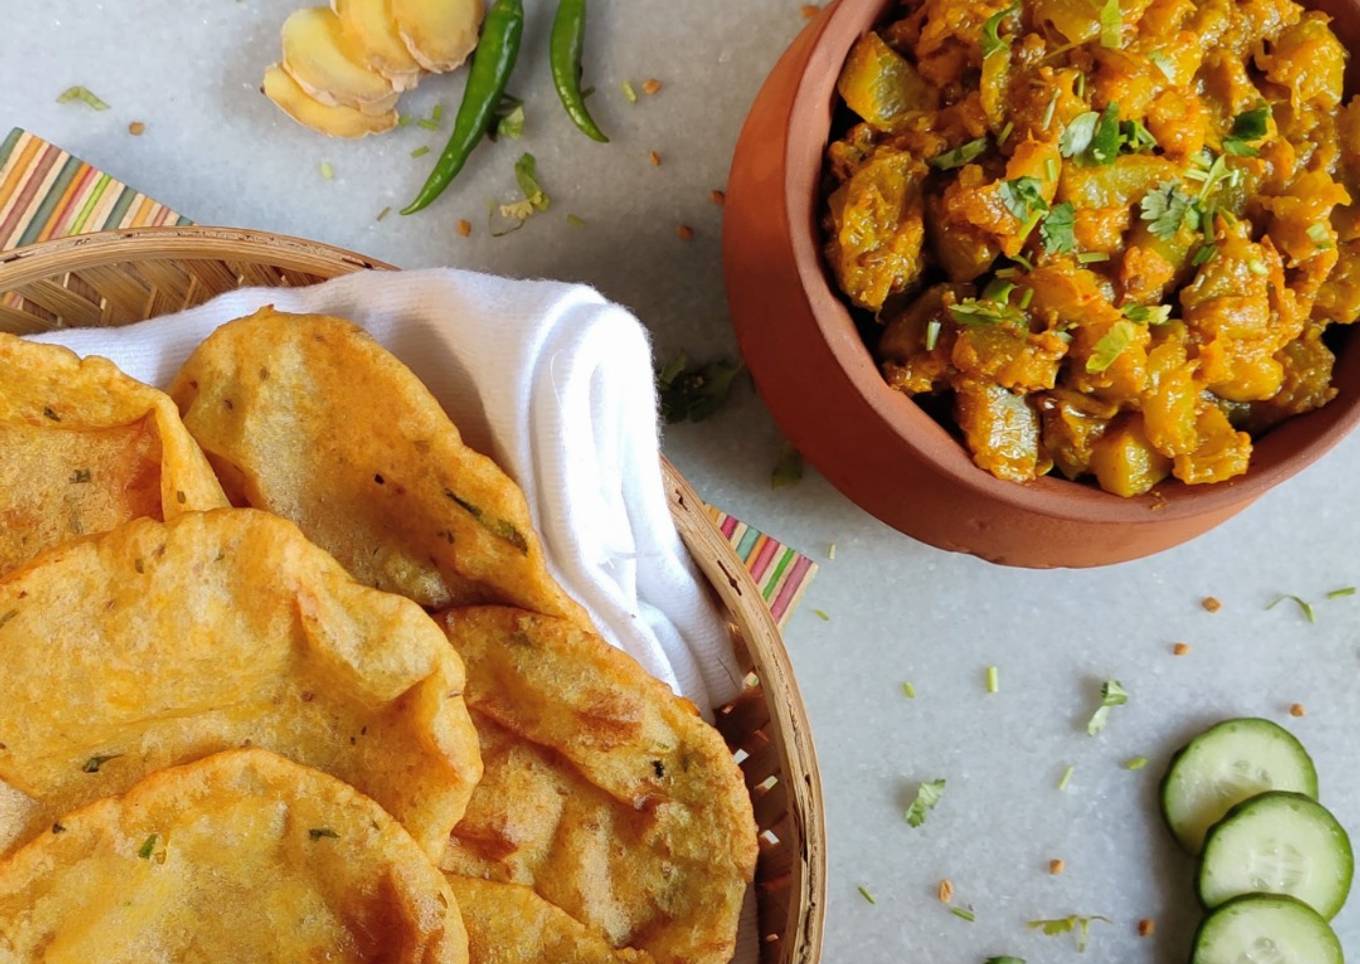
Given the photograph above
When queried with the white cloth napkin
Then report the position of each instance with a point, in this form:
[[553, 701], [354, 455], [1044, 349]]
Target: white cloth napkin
[[554, 383]]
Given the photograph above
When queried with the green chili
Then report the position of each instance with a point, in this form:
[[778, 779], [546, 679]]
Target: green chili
[[492, 65], [568, 39]]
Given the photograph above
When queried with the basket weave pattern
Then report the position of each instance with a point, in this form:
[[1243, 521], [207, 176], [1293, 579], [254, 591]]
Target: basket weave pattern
[[121, 277]]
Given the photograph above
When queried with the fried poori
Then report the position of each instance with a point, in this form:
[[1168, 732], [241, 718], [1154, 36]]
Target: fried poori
[[83, 447], [603, 791], [159, 643], [242, 856], [510, 924], [308, 417]]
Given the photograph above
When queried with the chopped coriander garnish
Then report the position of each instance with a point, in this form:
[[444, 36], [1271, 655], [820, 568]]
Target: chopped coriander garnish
[[1052, 107], [1076, 138], [1320, 236], [1147, 314], [1066, 777], [959, 156], [1111, 24], [1248, 126], [1105, 140], [927, 796], [1163, 62], [1135, 763], [1092, 257], [993, 680], [822, 615], [1067, 925], [1050, 169], [1211, 173], [526, 175], [1341, 593], [1304, 605], [1022, 261], [991, 40], [1136, 137], [909, 691], [148, 845], [788, 470], [1004, 134], [964, 913], [831, 551], [983, 311], [1258, 267], [512, 124], [694, 393], [427, 124], [420, 151], [316, 833], [1204, 254], [1112, 694], [932, 333], [1167, 208], [1023, 197], [327, 171], [1057, 231], [82, 94], [867, 894], [1110, 346], [629, 93], [384, 213], [93, 764], [1026, 297]]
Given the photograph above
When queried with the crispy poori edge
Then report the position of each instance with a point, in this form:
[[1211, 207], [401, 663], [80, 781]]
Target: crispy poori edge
[[59, 377], [123, 824], [512, 525], [530, 645]]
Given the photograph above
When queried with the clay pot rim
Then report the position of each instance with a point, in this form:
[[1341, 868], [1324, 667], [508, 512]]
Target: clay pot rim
[[1277, 455]]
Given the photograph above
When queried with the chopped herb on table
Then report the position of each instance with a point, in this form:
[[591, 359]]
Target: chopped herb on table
[[694, 393], [1066, 777], [1077, 924], [83, 95], [822, 615], [1341, 593], [788, 470], [993, 680], [1135, 763], [909, 690], [1303, 605], [964, 914], [1004, 960], [867, 894], [927, 796], [1112, 694]]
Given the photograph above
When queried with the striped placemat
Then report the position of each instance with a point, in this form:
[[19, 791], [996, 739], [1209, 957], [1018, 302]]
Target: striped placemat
[[45, 193]]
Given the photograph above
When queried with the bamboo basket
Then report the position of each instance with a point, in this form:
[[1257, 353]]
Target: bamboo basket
[[120, 277]]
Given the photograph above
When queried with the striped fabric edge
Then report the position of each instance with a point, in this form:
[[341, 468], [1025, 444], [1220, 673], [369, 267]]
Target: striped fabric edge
[[781, 573]]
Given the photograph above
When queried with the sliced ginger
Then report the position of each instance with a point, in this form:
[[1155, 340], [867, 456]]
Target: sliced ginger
[[439, 33], [330, 67], [280, 87], [370, 27]]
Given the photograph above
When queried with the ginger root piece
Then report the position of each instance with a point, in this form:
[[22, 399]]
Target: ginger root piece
[[370, 27], [330, 67], [332, 121], [440, 34]]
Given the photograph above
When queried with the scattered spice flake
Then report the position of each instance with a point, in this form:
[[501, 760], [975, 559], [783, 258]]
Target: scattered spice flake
[[58, 828], [867, 894], [82, 94], [576, 221], [788, 470], [809, 10], [80, 476], [718, 197], [629, 93], [1112, 694], [908, 690], [316, 833], [1211, 604], [684, 232], [655, 158], [1296, 710], [822, 615], [993, 679], [93, 764], [327, 171], [465, 228], [1147, 927], [1056, 866], [1066, 777], [964, 913], [1077, 924], [1341, 593], [421, 151], [927, 796], [1304, 605], [6, 617], [384, 213], [148, 845], [1181, 649], [945, 891], [136, 128], [49, 413], [651, 86]]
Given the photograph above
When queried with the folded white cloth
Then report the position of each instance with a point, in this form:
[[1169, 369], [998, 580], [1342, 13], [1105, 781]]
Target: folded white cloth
[[554, 383]]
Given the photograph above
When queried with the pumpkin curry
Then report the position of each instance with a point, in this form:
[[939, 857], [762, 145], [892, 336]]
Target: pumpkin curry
[[1113, 232]]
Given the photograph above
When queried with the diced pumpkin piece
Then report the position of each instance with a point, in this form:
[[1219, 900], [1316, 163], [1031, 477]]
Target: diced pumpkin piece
[[1019, 361], [1118, 184], [332, 121], [1001, 429], [1298, 213], [1124, 461], [1222, 452], [878, 229], [369, 25], [1171, 396], [329, 67], [1308, 60], [440, 34], [1072, 423], [1338, 299], [880, 85], [914, 359]]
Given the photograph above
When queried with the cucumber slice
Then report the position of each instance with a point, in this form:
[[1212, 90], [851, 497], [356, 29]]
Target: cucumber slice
[[1278, 843], [1226, 764], [1266, 929]]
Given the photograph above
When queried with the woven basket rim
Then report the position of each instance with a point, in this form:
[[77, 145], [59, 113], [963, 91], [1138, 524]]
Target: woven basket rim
[[58, 262]]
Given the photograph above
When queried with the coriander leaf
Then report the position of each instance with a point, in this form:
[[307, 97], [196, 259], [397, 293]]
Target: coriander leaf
[[1320, 236], [1163, 62], [1066, 777], [694, 393], [512, 124], [1110, 346], [1076, 138], [959, 156], [1023, 197], [82, 94], [867, 894], [1105, 140], [1056, 230], [1248, 126], [788, 470], [1167, 209], [1342, 593], [1135, 763], [932, 338], [1112, 694], [1203, 254], [1111, 24], [927, 796], [148, 845], [1135, 137], [1147, 314], [1067, 925], [964, 913], [992, 41], [526, 175], [1304, 605], [984, 311]]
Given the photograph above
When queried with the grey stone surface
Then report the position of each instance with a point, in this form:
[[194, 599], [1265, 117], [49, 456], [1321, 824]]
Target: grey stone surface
[[216, 150]]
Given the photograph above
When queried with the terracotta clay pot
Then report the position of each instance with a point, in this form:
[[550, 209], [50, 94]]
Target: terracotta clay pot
[[875, 444]]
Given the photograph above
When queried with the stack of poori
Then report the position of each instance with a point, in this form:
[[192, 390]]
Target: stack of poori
[[283, 676]]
